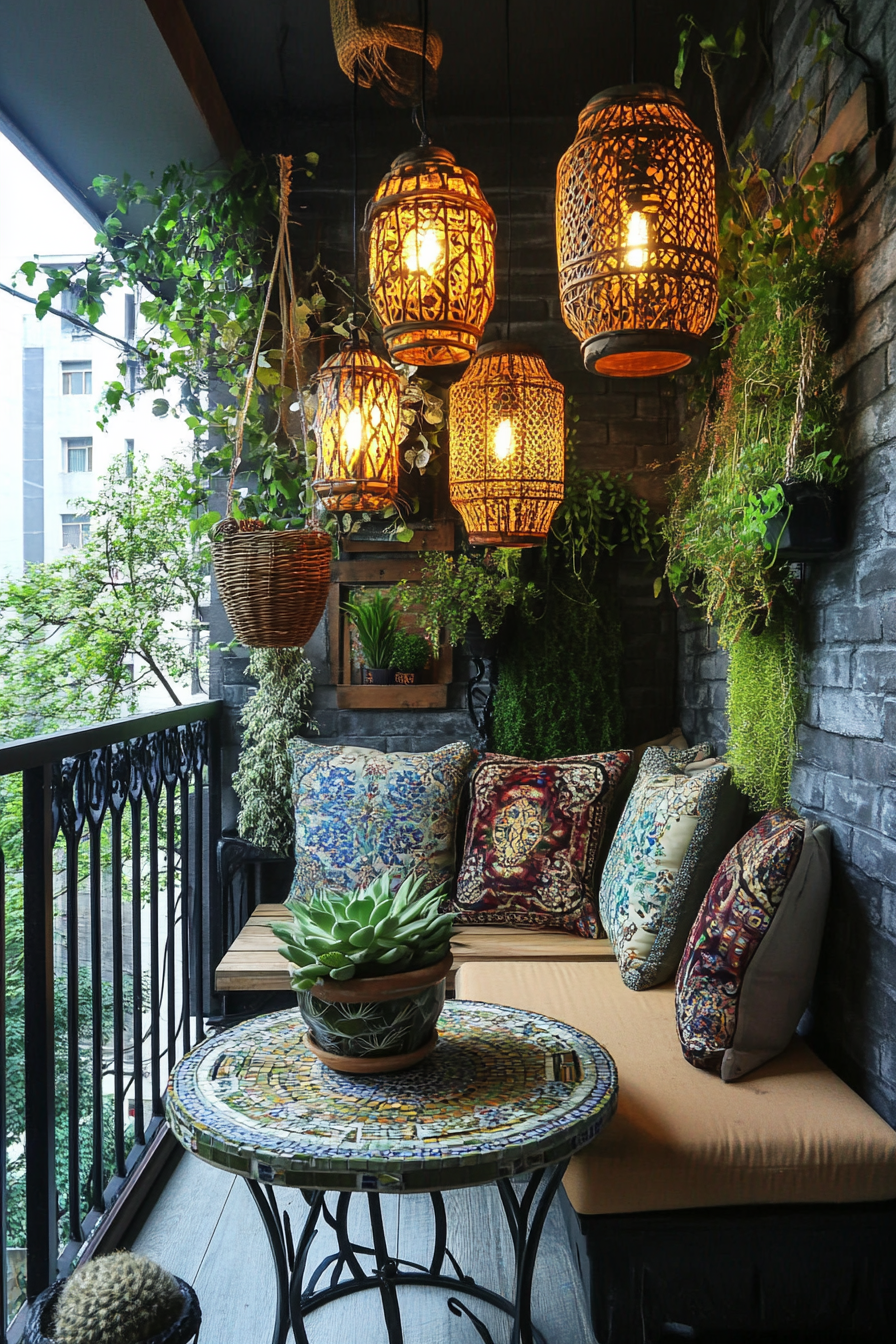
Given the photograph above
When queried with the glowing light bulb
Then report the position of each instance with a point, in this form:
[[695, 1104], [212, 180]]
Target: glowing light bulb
[[422, 251], [353, 431], [636, 240], [504, 440]]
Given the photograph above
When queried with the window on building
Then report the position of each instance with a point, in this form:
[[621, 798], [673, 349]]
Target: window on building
[[129, 457], [68, 302], [130, 317], [77, 378], [77, 454], [75, 529]]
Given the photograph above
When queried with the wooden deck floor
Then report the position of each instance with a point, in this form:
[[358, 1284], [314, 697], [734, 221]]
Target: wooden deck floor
[[205, 1227]]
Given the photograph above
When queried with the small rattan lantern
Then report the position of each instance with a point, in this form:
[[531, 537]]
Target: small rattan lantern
[[357, 430], [507, 446], [637, 234], [431, 255]]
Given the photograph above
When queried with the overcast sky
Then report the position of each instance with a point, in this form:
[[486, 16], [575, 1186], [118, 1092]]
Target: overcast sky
[[33, 215]]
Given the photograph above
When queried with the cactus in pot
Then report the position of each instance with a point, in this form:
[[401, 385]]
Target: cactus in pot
[[115, 1299], [369, 967]]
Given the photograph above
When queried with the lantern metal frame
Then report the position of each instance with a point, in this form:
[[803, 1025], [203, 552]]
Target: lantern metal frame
[[356, 378], [507, 501], [439, 318], [638, 150]]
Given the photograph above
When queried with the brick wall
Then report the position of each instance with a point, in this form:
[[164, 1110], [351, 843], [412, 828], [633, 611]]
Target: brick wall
[[847, 768], [627, 426]]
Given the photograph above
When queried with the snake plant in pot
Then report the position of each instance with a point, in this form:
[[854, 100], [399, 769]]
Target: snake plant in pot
[[369, 969]]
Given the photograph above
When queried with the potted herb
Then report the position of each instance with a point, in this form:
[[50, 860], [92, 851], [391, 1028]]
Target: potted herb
[[376, 620], [468, 595], [115, 1299], [410, 654], [369, 970]]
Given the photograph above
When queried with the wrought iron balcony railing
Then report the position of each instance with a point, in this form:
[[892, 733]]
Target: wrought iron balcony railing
[[110, 919]]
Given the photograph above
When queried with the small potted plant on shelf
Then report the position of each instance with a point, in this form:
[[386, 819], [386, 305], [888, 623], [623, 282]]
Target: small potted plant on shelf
[[468, 595], [376, 620], [115, 1299], [369, 970], [410, 654]]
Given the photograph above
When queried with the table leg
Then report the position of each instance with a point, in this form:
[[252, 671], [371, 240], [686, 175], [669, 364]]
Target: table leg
[[280, 1241], [526, 1235]]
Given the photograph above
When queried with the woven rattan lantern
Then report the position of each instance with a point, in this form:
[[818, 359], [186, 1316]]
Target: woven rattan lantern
[[507, 446], [637, 235], [431, 255], [357, 430]]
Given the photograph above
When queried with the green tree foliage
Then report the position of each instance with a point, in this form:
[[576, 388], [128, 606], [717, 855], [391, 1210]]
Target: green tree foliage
[[129, 595], [279, 709]]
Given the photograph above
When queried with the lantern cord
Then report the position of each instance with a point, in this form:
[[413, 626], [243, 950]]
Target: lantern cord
[[420, 110], [634, 37], [356, 340], [509, 155]]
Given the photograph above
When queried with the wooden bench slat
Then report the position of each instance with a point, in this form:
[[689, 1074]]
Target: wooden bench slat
[[253, 962]]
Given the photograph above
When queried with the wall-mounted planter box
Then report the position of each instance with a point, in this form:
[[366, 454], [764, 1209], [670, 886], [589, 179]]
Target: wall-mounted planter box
[[813, 524], [366, 573]]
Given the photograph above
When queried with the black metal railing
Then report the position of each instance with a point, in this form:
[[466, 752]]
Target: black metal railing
[[110, 919]]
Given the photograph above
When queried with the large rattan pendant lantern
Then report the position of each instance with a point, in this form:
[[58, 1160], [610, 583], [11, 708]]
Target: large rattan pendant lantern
[[507, 446], [431, 256], [357, 430], [637, 235]]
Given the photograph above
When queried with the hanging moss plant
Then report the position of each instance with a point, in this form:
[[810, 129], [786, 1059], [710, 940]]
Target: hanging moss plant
[[764, 706], [279, 709]]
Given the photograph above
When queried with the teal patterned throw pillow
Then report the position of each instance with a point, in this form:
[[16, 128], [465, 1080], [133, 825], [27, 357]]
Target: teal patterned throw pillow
[[360, 811], [677, 826]]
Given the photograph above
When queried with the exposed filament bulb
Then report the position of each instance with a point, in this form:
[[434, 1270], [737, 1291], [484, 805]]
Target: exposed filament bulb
[[636, 240], [353, 432], [422, 251], [503, 446]]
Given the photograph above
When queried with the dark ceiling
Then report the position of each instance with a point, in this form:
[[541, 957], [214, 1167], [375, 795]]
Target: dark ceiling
[[275, 59]]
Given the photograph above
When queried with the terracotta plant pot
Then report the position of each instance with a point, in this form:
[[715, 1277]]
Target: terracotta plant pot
[[375, 1024], [812, 524]]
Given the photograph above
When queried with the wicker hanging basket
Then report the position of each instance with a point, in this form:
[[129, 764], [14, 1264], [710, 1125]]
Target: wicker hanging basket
[[273, 585]]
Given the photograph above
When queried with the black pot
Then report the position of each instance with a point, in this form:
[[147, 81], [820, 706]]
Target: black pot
[[181, 1331], [377, 676], [813, 523], [478, 645]]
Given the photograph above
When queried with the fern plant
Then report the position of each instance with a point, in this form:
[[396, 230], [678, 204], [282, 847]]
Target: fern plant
[[279, 710]]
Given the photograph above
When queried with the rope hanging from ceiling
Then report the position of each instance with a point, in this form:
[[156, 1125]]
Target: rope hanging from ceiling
[[385, 53]]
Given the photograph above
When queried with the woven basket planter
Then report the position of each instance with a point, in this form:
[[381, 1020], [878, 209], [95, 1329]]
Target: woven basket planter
[[274, 585]]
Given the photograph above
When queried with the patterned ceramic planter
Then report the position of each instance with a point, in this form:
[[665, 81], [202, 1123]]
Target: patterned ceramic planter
[[376, 1024]]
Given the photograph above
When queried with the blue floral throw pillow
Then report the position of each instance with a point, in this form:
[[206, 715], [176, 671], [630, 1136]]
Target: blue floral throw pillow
[[360, 811], [677, 826]]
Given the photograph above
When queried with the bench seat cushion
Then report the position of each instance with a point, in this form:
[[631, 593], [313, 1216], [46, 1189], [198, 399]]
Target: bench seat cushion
[[789, 1132]]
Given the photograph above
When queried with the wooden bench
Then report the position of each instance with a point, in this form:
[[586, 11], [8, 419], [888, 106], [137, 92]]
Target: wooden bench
[[253, 962]]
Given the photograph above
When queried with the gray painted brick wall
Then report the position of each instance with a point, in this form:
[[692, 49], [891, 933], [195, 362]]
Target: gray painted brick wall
[[847, 768]]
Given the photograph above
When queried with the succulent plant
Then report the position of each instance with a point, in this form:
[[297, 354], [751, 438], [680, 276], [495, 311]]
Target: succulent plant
[[335, 934], [116, 1299]]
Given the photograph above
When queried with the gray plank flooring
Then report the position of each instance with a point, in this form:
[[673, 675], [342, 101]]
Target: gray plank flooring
[[204, 1227]]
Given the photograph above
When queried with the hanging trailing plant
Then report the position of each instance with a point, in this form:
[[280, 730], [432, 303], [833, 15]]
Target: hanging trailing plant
[[764, 412], [279, 710]]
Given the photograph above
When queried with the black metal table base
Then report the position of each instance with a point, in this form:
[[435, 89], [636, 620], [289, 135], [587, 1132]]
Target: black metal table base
[[342, 1273]]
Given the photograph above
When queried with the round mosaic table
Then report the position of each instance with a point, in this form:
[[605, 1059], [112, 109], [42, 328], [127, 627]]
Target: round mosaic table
[[506, 1094]]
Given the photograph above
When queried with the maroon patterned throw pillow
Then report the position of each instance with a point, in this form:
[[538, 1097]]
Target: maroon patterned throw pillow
[[747, 970], [533, 836]]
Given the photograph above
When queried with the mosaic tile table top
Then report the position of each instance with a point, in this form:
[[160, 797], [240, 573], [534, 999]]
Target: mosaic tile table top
[[505, 1091]]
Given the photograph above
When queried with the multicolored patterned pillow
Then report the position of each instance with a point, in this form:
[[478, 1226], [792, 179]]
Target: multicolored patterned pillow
[[747, 970], [676, 827], [533, 835], [360, 811]]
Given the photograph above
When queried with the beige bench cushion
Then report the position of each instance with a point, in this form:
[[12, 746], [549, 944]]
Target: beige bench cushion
[[790, 1132]]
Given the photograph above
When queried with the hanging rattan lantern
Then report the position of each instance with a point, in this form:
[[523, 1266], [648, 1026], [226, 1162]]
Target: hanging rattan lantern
[[507, 446], [357, 430], [431, 255], [637, 234]]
